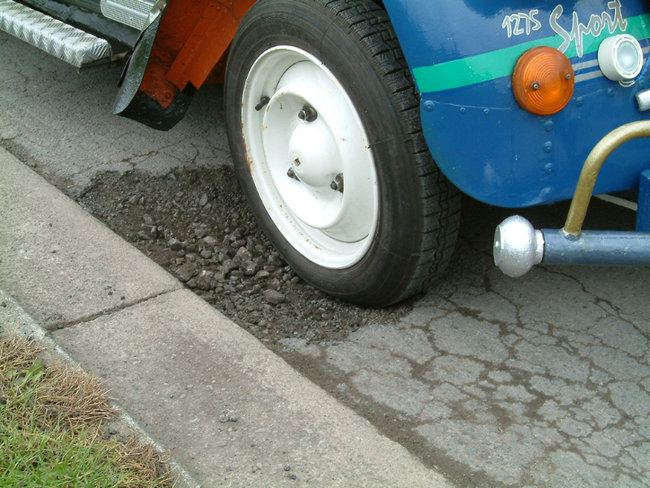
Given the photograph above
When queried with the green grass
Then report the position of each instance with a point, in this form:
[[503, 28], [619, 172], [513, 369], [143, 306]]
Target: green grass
[[51, 429]]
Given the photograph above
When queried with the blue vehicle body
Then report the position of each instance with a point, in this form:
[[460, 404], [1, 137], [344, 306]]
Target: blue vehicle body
[[462, 55]]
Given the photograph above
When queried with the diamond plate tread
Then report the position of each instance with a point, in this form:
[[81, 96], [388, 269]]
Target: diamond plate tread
[[134, 13], [64, 41]]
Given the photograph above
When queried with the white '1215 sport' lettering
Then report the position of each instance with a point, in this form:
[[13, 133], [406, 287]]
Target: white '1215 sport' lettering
[[524, 23], [594, 27]]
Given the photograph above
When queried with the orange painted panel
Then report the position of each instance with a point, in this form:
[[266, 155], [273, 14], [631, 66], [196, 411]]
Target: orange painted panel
[[208, 41], [193, 37]]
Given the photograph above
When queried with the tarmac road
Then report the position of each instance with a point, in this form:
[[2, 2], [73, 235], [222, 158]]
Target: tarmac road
[[540, 381]]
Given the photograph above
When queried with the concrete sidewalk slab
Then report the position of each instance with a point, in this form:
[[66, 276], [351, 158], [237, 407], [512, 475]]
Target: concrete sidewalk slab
[[237, 413], [62, 265], [227, 408]]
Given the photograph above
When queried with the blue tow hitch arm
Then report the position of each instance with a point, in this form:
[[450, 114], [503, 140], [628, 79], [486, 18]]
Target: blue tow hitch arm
[[518, 246]]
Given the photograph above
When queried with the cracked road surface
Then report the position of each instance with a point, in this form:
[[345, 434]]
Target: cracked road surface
[[541, 381], [538, 382]]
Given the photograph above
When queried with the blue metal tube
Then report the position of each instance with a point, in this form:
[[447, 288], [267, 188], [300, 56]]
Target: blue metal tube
[[597, 247]]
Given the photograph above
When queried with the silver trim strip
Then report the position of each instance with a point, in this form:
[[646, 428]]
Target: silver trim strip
[[589, 76], [585, 65], [621, 202]]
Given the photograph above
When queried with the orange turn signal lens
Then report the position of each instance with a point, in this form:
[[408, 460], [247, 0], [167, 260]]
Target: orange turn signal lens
[[543, 80]]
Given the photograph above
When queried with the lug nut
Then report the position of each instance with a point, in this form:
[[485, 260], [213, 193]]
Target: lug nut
[[291, 174], [263, 101], [308, 114], [337, 183]]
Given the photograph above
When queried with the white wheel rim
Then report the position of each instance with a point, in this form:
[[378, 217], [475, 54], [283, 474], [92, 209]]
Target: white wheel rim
[[330, 227]]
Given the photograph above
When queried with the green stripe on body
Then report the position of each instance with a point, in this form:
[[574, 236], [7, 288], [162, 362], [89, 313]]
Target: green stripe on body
[[497, 64]]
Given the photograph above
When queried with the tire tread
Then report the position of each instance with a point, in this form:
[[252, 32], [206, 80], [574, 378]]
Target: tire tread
[[440, 202]]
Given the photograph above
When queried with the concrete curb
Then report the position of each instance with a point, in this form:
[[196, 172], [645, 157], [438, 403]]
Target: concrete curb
[[230, 411]]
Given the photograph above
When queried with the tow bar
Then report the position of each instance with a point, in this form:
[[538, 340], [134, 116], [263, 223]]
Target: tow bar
[[518, 246]]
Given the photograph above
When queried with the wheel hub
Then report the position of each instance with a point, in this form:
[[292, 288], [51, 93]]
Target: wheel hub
[[309, 157], [312, 152]]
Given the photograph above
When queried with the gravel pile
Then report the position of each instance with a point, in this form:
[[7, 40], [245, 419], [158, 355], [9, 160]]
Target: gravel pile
[[197, 224]]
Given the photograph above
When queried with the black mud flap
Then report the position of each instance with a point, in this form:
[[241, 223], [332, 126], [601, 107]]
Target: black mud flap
[[133, 103]]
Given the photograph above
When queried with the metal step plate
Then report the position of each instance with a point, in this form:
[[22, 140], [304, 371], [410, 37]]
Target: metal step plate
[[134, 13], [64, 41]]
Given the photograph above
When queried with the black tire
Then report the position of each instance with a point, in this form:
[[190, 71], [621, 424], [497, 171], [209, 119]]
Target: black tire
[[417, 208]]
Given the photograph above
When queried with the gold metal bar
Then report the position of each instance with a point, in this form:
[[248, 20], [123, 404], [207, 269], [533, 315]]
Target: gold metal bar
[[591, 169]]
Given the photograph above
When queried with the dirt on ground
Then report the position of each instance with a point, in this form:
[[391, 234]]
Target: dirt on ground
[[196, 224]]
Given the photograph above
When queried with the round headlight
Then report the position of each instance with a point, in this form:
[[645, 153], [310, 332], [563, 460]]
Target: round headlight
[[620, 58]]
